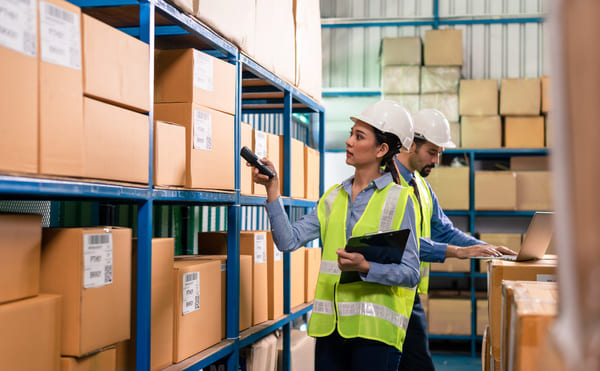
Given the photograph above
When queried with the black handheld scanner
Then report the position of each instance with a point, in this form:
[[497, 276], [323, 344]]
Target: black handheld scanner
[[251, 157]]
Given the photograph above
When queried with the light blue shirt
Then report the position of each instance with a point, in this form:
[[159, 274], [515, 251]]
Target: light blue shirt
[[289, 237], [443, 231]]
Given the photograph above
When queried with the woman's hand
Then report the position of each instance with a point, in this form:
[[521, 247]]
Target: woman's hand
[[352, 261], [271, 185]]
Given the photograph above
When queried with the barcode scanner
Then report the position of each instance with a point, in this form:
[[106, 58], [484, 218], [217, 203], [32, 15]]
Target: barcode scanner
[[252, 158]]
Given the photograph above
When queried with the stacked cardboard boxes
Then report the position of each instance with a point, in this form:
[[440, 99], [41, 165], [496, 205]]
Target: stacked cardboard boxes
[[520, 104], [481, 126], [401, 70]]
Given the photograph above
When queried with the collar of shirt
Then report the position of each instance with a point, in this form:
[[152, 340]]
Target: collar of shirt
[[404, 172], [379, 183]]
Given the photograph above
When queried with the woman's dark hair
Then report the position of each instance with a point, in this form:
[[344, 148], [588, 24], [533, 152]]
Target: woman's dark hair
[[394, 148]]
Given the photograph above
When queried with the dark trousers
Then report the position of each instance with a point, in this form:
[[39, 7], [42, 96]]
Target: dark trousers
[[415, 352], [335, 353]]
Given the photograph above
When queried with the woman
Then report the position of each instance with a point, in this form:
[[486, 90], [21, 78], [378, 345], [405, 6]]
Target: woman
[[359, 325]]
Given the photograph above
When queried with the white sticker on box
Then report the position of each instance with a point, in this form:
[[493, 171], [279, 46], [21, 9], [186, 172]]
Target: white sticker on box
[[545, 278], [260, 143], [18, 26], [97, 260], [223, 267], [60, 36], [203, 71], [260, 248], [202, 130], [191, 292], [277, 255]]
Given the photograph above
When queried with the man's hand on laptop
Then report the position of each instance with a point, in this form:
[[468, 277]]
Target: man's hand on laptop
[[463, 252]]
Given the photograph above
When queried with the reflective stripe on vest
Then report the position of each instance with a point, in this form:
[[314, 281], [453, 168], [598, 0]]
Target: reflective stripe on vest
[[359, 309], [427, 210]]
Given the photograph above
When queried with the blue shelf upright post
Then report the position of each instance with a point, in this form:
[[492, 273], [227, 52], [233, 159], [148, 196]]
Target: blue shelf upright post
[[287, 187]]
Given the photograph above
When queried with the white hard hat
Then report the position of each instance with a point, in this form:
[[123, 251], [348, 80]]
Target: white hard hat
[[432, 125], [389, 117]]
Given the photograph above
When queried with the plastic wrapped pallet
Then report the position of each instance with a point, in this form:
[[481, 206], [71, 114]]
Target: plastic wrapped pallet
[[302, 349], [401, 79], [409, 101], [439, 79], [401, 50], [262, 355], [446, 103]]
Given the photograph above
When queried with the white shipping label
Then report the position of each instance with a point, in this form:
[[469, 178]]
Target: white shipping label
[[18, 26], [60, 36], [202, 130], [545, 278], [260, 144], [223, 267], [191, 292], [260, 248], [203, 71], [97, 260], [277, 255]]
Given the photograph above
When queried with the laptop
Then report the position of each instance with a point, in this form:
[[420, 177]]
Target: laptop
[[537, 239]]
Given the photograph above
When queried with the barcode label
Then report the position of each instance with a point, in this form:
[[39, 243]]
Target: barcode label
[[60, 36], [97, 260], [223, 267], [203, 71], [260, 248], [202, 130], [546, 278], [191, 292], [260, 143], [18, 26], [277, 255]]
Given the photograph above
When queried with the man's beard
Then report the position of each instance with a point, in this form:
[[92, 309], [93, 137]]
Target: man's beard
[[426, 170]]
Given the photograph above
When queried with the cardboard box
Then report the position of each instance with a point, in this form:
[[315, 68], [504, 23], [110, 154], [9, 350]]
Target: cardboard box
[[546, 98], [455, 197], [409, 101], [482, 316], [19, 90], [209, 148], [297, 270], [312, 167], [440, 79], [197, 307], [104, 360], [169, 154], [190, 76], [424, 302], [445, 103], [312, 265], [307, 18], [91, 269], [478, 97], [187, 6], [548, 130], [274, 278], [524, 132], [20, 250], [61, 129], [297, 163], [499, 270], [485, 350], [495, 190], [260, 146], [30, 333], [520, 97], [452, 265], [400, 79], [455, 134], [481, 132], [401, 50], [520, 163], [115, 66], [246, 182], [443, 47], [449, 316], [534, 190], [275, 154], [116, 143]]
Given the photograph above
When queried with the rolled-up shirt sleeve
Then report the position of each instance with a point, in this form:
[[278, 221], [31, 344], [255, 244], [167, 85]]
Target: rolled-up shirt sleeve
[[288, 236]]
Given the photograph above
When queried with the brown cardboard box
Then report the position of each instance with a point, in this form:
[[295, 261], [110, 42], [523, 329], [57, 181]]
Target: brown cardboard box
[[190, 76], [495, 190], [197, 307], [452, 265], [312, 264], [311, 179], [297, 277], [169, 154], [209, 148], [274, 278], [246, 182], [485, 350], [275, 151], [455, 197], [424, 302], [19, 92], [548, 130], [96, 304], [524, 132], [20, 249], [455, 133], [443, 47], [30, 332], [405, 50], [482, 316], [297, 163], [499, 270], [546, 99], [440, 79], [260, 146], [104, 360], [307, 18], [60, 90], [534, 190], [116, 143], [481, 132], [400, 79], [519, 163], [115, 66], [510, 240], [520, 97], [478, 97], [449, 316]]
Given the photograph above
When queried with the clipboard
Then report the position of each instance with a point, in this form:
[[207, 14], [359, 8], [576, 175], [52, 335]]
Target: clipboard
[[381, 247]]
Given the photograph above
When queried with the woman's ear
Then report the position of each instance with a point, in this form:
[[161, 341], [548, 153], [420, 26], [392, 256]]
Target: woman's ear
[[382, 150]]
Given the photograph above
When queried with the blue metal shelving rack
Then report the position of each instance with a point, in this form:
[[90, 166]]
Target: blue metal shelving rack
[[156, 22]]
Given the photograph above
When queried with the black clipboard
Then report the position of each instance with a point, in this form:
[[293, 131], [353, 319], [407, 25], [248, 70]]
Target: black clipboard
[[382, 247]]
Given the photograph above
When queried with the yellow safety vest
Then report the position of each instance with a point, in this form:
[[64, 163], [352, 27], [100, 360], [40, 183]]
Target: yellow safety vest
[[359, 309]]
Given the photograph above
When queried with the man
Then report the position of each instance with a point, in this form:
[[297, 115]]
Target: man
[[439, 238]]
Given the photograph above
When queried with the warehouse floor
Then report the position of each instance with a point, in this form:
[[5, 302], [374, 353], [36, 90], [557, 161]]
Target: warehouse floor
[[452, 362]]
